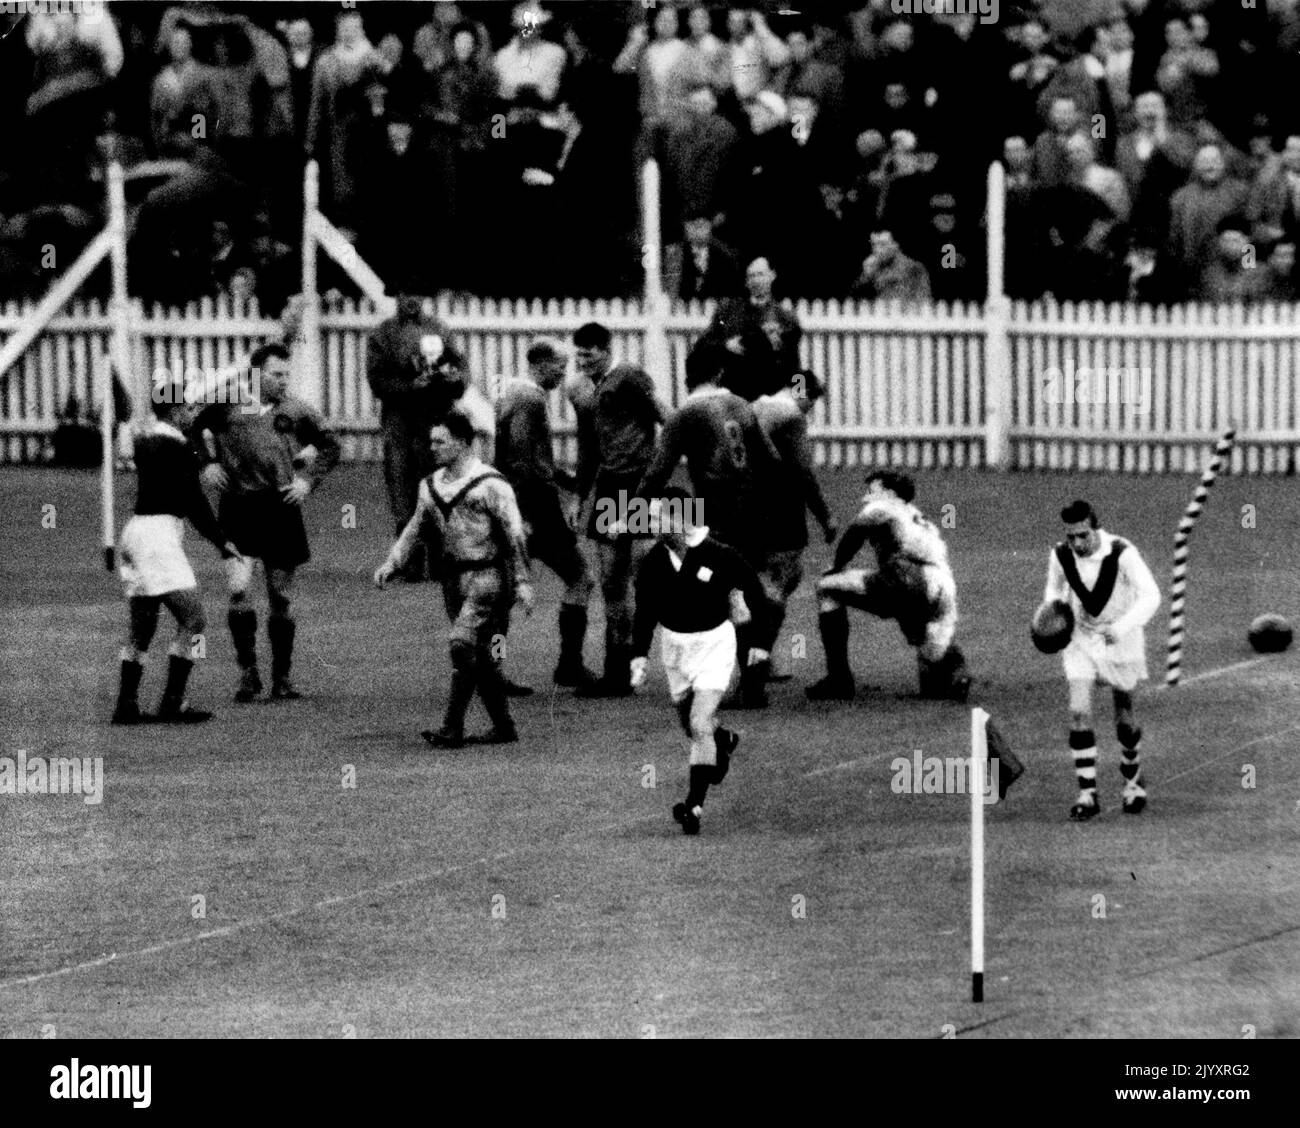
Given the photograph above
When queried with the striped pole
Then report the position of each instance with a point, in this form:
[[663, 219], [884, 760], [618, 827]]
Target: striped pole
[[1178, 589], [979, 755]]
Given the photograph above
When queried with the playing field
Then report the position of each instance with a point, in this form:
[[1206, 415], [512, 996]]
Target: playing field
[[543, 889]]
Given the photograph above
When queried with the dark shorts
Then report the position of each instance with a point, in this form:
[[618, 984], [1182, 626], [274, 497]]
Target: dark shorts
[[265, 526], [550, 539]]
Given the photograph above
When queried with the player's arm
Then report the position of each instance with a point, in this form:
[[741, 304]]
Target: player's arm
[[798, 453], [197, 509], [1058, 588], [646, 616], [741, 577], [513, 541], [1144, 584], [314, 434], [425, 516], [855, 536], [668, 452]]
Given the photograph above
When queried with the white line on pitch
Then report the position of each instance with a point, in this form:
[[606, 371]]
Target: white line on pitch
[[1233, 752], [276, 918], [1207, 674]]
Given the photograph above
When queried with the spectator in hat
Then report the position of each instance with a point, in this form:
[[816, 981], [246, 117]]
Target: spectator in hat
[[699, 155], [701, 267], [1280, 284], [1274, 205], [1233, 275], [339, 107], [760, 336], [889, 275], [1195, 212]]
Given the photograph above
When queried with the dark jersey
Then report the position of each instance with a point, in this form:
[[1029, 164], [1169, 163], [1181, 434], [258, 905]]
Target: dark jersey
[[524, 452], [260, 446], [691, 598], [167, 470], [616, 426], [728, 457], [795, 489]]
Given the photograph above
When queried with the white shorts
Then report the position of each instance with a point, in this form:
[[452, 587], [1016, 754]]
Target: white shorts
[[1090, 658], [704, 660], [153, 556]]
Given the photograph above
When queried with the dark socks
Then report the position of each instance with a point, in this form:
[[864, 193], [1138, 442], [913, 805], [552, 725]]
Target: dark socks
[[461, 691], [834, 626], [573, 632], [243, 633], [701, 775], [178, 673], [280, 630], [129, 686], [493, 691]]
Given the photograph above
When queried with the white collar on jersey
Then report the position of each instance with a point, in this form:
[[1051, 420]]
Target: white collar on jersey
[[705, 392], [694, 539]]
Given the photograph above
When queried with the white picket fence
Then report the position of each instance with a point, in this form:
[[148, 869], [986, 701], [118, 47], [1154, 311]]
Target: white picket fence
[[906, 387]]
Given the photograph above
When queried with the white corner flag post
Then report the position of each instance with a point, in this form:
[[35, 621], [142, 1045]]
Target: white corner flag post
[[979, 754], [121, 355]]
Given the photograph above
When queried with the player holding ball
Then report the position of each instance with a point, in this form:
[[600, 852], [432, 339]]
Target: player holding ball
[[1108, 595]]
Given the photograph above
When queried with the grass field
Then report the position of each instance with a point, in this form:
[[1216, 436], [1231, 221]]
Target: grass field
[[544, 890]]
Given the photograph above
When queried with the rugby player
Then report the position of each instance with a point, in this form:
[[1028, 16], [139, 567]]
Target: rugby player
[[155, 571], [525, 455], [731, 465], [794, 492], [912, 584], [617, 415], [268, 452], [1113, 595], [471, 510], [685, 585]]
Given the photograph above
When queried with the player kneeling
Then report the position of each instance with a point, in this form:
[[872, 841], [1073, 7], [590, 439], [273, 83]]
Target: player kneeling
[[155, 572], [685, 585], [913, 584]]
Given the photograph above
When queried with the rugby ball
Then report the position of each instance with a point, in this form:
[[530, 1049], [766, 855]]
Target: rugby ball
[[1270, 634], [1052, 626]]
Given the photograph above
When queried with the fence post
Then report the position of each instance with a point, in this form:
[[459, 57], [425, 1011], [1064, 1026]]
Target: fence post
[[658, 353], [311, 376], [997, 331]]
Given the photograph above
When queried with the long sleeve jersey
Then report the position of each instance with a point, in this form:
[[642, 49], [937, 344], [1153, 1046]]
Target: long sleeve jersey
[[727, 455], [616, 424], [260, 449], [691, 593], [1118, 590], [524, 451], [795, 489], [167, 470], [896, 530], [476, 519]]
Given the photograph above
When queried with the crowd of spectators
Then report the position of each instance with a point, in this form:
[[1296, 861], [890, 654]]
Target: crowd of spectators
[[1151, 147]]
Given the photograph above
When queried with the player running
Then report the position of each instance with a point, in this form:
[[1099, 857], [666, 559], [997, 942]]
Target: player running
[[794, 492], [913, 584], [268, 455], [525, 455], [155, 572], [471, 510], [1113, 595], [685, 585], [731, 465]]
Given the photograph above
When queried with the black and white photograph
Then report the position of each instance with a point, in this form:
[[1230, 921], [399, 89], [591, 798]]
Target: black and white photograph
[[651, 520]]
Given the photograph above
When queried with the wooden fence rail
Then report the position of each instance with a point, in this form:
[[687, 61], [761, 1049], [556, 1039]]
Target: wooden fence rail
[[1119, 388]]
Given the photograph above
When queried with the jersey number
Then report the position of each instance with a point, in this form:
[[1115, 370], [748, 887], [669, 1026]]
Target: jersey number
[[736, 440]]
